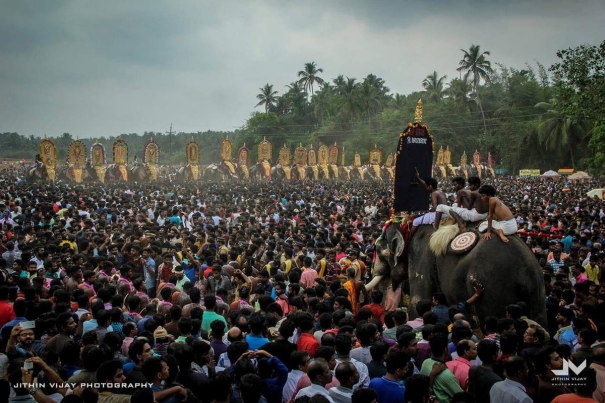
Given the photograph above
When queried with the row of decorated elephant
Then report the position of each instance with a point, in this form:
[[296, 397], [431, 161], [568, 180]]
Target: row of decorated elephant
[[443, 168], [325, 163]]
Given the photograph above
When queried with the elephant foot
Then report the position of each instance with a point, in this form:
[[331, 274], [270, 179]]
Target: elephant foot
[[392, 299]]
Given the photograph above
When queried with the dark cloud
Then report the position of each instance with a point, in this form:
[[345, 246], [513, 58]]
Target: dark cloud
[[103, 68]]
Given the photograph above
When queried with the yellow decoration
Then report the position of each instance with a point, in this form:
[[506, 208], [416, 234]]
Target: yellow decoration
[[77, 174], [418, 112], [226, 150], [100, 170], [287, 172], [195, 172]]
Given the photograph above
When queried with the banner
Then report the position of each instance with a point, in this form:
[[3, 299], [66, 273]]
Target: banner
[[414, 152], [529, 172]]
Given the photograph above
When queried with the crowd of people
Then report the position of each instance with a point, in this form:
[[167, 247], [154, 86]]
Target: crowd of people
[[255, 292]]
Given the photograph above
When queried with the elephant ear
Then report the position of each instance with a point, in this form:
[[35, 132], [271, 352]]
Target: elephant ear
[[395, 243], [398, 244]]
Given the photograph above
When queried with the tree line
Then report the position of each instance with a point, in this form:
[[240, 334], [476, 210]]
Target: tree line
[[529, 117]]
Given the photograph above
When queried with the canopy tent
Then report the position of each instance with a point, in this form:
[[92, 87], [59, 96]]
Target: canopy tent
[[550, 174], [596, 192], [580, 175]]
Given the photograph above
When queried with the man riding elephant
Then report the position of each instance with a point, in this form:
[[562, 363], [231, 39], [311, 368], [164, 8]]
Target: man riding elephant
[[509, 272]]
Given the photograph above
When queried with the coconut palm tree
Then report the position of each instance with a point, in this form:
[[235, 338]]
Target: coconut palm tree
[[320, 101], [267, 97], [459, 92], [350, 101], [474, 63], [398, 101], [370, 97], [339, 82], [309, 76], [434, 87], [558, 132]]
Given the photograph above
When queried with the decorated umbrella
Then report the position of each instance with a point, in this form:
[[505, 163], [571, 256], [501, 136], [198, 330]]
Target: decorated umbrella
[[550, 174]]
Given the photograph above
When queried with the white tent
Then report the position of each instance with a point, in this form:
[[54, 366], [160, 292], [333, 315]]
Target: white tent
[[550, 174], [596, 192], [580, 175]]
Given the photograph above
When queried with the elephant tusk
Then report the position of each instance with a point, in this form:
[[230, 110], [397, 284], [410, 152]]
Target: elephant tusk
[[374, 282]]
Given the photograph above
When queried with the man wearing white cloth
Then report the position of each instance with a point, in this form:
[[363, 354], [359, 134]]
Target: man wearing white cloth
[[500, 219]]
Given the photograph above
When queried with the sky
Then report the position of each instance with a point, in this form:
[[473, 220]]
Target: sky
[[106, 67]]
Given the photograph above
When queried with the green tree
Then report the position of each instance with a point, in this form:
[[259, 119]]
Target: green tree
[[579, 81], [370, 98], [460, 94], [309, 76], [560, 133], [350, 106], [475, 64], [267, 97], [434, 86]]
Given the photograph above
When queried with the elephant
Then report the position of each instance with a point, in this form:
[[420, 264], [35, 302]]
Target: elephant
[[388, 172], [217, 173], [278, 173], [509, 272], [439, 171], [36, 173], [184, 173], [354, 173], [344, 173], [139, 173], [371, 174], [66, 173], [112, 174]]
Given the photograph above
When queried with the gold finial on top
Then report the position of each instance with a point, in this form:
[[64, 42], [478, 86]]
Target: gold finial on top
[[418, 113], [45, 136], [96, 141], [244, 144]]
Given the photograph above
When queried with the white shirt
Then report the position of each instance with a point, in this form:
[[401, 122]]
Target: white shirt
[[313, 390], [508, 391], [364, 375], [290, 385], [340, 394], [361, 354]]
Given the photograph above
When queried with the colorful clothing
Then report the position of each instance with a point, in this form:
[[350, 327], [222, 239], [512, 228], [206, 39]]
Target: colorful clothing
[[350, 287]]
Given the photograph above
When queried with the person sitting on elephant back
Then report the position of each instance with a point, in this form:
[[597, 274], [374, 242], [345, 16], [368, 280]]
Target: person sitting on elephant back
[[500, 219], [469, 207], [437, 198]]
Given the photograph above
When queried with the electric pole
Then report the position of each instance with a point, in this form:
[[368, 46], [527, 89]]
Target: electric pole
[[170, 133]]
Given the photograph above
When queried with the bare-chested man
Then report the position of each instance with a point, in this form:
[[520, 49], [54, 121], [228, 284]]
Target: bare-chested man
[[437, 198], [470, 206], [499, 219]]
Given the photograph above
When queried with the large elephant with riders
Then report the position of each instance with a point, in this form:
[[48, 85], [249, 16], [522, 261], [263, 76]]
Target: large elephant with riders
[[509, 272]]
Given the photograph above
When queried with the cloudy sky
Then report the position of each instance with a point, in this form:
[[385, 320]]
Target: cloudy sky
[[105, 67]]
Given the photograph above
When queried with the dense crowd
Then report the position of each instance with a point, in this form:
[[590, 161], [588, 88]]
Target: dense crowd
[[250, 292]]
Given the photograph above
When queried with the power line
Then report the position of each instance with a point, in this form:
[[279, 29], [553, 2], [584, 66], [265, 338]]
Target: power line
[[377, 117]]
